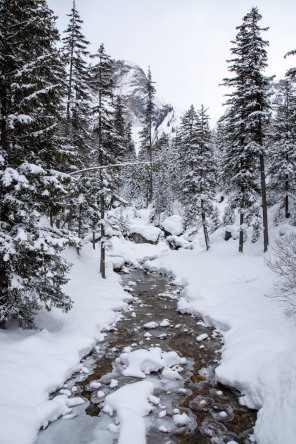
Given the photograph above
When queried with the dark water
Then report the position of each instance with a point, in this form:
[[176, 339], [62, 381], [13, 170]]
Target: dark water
[[214, 410]]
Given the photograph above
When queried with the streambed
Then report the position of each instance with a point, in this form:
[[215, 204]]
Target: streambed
[[212, 411]]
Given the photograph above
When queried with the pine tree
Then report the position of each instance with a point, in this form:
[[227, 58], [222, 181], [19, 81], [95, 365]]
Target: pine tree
[[246, 119], [31, 269], [107, 151], [196, 159], [75, 52], [282, 152], [163, 195], [147, 133]]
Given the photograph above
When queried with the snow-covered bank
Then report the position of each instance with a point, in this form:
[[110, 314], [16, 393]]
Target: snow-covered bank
[[259, 353], [34, 363]]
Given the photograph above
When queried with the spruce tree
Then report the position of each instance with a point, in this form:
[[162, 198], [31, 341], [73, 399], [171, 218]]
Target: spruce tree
[[163, 196], [32, 153], [196, 160], [75, 53], [147, 133], [106, 149], [246, 119], [282, 151]]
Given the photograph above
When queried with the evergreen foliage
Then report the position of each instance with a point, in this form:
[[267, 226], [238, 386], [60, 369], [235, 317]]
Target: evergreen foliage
[[196, 160], [147, 135], [32, 271], [282, 151], [75, 53], [246, 119]]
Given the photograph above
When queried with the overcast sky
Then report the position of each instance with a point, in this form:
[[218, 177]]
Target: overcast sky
[[185, 42]]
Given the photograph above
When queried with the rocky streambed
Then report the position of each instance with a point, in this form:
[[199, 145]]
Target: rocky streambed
[[174, 351]]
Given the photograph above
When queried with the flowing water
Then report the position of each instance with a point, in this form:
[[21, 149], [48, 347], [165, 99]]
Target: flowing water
[[215, 413]]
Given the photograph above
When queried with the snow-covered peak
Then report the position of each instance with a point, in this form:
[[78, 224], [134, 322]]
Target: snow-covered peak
[[130, 82]]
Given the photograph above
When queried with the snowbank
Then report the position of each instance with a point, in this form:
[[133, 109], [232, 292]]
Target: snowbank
[[34, 363], [259, 355], [173, 225]]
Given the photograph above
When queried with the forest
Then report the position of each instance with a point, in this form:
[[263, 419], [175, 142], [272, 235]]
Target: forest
[[71, 173]]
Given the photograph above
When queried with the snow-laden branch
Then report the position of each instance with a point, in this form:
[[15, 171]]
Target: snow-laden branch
[[109, 166]]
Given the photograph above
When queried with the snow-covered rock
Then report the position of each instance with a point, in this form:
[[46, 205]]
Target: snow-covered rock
[[173, 225], [142, 234]]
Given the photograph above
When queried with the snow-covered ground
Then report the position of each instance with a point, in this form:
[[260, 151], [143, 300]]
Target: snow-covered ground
[[227, 288], [35, 363]]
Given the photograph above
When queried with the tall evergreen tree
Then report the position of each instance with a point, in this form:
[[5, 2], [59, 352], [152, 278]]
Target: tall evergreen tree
[[163, 194], [282, 152], [75, 52], [106, 149], [31, 269], [196, 160], [246, 119], [147, 133]]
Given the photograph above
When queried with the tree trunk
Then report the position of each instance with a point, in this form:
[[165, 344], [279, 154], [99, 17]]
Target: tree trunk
[[264, 203], [287, 199], [241, 234], [2, 325], [287, 214], [205, 228], [103, 253], [79, 221], [94, 239]]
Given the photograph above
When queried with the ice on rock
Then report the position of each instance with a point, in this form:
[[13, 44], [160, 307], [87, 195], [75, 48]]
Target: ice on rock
[[163, 429], [147, 334], [95, 385], [100, 394], [154, 400], [181, 419], [162, 413], [202, 337], [141, 362], [165, 323], [168, 373], [113, 383], [151, 324]]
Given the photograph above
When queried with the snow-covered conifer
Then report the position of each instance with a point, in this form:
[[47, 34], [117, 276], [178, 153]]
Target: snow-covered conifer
[[32, 156], [282, 151], [246, 119], [196, 160]]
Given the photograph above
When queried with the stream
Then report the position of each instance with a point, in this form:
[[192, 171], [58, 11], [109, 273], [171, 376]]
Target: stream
[[215, 413]]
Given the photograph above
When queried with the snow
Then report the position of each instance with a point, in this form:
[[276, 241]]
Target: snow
[[181, 419], [223, 286], [131, 404], [151, 324], [35, 363], [149, 233], [228, 290], [141, 362], [202, 337], [173, 225]]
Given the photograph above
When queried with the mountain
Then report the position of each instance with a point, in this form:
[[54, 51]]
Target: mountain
[[129, 81]]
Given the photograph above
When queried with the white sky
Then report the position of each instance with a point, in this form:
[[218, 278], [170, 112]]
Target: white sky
[[185, 42]]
